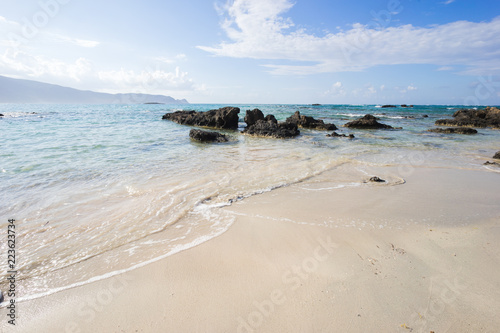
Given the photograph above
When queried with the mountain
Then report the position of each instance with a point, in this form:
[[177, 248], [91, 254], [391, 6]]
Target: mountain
[[27, 91]]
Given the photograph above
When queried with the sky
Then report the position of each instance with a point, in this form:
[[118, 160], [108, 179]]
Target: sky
[[261, 51]]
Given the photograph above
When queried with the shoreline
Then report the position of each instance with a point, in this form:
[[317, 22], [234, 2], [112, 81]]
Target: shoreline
[[419, 256]]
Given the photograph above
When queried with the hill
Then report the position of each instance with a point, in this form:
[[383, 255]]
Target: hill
[[27, 91]]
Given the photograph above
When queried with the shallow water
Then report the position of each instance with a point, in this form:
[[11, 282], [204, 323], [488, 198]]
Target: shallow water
[[98, 189]]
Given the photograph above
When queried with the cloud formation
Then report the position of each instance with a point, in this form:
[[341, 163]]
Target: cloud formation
[[259, 29]]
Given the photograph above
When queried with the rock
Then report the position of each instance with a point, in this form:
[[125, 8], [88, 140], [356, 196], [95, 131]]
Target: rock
[[488, 117], [1, 115], [388, 106], [454, 130], [252, 116], [316, 104], [1, 296], [269, 128], [376, 180], [226, 118], [491, 163], [336, 135], [367, 122], [425, 116], [497, 155], [309, 122], [204, 136]]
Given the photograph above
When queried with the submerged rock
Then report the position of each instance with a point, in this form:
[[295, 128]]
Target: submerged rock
[[336, 135], [454, 130], [497, 155], [204, 136], [309, 122], [226, 118], [488, 117], [270, 128], [367, 122], [376, 180], [491, 163]]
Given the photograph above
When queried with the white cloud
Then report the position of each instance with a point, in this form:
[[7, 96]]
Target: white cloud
[[447, 2], [445, 68], [411, 88], [18, 62], [147, 81], [337, 89], [258, 29]]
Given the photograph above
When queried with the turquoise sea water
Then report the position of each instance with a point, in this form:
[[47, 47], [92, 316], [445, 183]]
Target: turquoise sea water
[[99, 189]]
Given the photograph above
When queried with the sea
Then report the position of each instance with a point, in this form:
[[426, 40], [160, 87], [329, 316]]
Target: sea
[[98, 190]]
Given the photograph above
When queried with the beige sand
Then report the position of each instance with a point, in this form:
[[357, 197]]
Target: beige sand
[[418, 257]]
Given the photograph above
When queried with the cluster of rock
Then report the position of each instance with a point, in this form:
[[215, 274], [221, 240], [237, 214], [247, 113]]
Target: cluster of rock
[[309, 122], [367, 122], [336, 135], [223, 118], [454, 130], [394, 106], [488, 117], [268, 126], [497, 155], [204, 136]]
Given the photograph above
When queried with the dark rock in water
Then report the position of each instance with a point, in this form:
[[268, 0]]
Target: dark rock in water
[[367, 122], [269, 128], [309, 122], [491, 163], [336, 135], [226, 118], [1, 115], [376, 180], [1, 296], [271, 118], [497, 155], [488, 117], [316, 104], [204, 136], [252, 116], [425, 116], [388, 106], [454, 130]]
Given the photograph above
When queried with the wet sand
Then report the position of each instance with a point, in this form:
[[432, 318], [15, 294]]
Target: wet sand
[[312, 257]]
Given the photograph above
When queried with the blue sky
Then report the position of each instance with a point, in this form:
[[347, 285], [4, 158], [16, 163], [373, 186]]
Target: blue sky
[[261, 51]]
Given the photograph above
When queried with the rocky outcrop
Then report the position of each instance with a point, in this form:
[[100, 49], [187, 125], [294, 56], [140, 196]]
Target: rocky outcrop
[[273, 129], [252, 116], [406, 106], [225, 118], [367, 122], [388, 106], [1, 115], [336, 135], [454, 130], [497, 155], [309, 122], [204, 136], [488, 117]]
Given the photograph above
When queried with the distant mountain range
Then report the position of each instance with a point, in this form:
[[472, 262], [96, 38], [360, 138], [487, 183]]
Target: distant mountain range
[[27, 91]]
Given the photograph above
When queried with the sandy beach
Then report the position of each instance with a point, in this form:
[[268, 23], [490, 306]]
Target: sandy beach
[[391, 257]]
